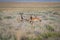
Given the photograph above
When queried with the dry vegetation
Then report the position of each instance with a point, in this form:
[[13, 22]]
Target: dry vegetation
[[13, 28]]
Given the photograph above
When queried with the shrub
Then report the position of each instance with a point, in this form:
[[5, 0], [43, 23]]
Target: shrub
[[0, 18], [50, 34], [50, 28], [4, 36], [8, 17]]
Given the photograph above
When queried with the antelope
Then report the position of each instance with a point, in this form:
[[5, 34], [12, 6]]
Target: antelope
[[33, 19], [20, 18]]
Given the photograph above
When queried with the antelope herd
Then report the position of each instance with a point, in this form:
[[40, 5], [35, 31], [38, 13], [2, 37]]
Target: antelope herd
[[30, 20]]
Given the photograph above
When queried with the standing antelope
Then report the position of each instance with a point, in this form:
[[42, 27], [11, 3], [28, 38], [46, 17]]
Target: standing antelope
[[20, 18], [33, 19]]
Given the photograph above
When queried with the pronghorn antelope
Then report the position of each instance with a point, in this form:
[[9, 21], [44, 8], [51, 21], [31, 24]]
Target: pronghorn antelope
[[20, 18], [33, 19]]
